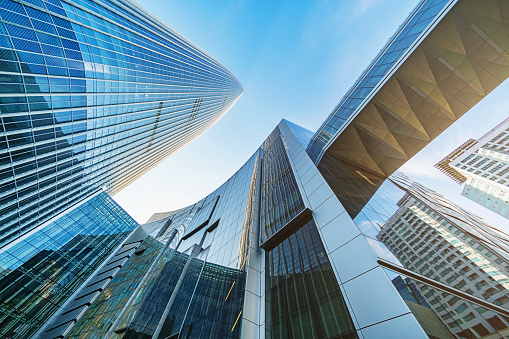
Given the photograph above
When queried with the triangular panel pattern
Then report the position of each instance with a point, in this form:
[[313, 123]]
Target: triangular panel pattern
[[463, 59]]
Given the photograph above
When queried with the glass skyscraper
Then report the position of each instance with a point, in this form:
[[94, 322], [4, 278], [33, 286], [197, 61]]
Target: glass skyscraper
[[41, 271], [453, 247], [274, 253], [483, 165], [315, 236], [93, 94]]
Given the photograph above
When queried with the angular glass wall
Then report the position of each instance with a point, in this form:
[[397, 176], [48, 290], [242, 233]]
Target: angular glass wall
[[418, 233], [281, 199], [303, 299], [41, 271], [302, 295], [192, 288], [93, 93], [121, 300], [210, 284]]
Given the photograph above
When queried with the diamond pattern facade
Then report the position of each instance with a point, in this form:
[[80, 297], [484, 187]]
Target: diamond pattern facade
[[457, 64]]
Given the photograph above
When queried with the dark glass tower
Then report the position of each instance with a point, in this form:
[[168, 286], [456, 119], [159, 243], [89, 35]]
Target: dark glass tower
[[274, 253], [93, 94]]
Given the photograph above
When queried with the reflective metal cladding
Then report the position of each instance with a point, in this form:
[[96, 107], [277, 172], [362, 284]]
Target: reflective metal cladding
[[214, 280], [93, 93], [315, 236], [399, 260]]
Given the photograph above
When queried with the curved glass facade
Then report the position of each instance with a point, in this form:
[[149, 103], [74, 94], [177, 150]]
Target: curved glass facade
[[211, 284], [281, 200], [288, 246], [205, 270], [374, 258], [92, 94]]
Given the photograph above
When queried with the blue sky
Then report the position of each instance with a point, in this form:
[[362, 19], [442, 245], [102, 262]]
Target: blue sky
[[295, 59]]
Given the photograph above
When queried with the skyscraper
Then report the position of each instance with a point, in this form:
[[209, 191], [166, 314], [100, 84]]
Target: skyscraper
[[293, 240], [483, 166], [93, 94], [293, 244], [40, 271], [461, 251], [298, 239], [273, 253]]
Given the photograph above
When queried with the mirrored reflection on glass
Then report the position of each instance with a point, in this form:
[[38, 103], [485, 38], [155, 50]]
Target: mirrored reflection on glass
[[444, 315], [303, 299], [40, 272], [352, 185], [193, 287], [281, 199], [431, 236]]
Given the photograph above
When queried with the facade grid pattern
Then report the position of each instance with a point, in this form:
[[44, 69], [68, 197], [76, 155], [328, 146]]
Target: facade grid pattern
[[93, 94], [484, 168], [39, 273]]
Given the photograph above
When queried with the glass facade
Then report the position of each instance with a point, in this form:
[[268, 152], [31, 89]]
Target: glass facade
[[303, 299], [41, 271], [303, 295], [288, 246], [385, 257], [93, 93], [194, 287], [281, 199], [410, 226], [209, 285], [424, 15]]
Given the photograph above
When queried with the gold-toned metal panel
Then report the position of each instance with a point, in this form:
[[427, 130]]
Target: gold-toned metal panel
[[463, 59]]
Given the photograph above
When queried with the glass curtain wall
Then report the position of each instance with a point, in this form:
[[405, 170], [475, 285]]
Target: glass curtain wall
[[39, 273], [92, 94]]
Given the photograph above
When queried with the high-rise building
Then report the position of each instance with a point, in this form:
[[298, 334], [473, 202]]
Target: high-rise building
[[274, 253], [93, 94], [43, 269], [483, 166], [461, 251], [200, 271], [294, 244], [299, 242]]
